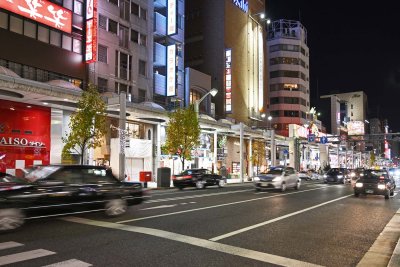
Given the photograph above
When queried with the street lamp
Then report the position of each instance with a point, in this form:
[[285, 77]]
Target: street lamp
[[197, 102]]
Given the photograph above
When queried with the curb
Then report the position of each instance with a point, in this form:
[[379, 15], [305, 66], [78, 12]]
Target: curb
[[380, 253]]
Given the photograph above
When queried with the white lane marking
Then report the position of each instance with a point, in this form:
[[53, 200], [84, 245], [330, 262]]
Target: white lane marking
[[161, 207], [216, 206], [258, 193], [275, 220], [380, 253], [70, 263], [194, 196], [11, 244], [23, 256], [198, 242]]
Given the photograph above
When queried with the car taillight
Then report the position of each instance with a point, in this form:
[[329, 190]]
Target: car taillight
[[173, 177], [186, 176], [381, 177]]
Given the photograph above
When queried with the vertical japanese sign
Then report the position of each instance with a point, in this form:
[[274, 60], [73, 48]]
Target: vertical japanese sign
[[260, 69], [171, 70], [91, 31], [228, 80], [172, 14], [42, 11]]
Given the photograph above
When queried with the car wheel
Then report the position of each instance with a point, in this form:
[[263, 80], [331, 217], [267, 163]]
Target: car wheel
[[11, 219], [258, 189], [387, 195], [221, 183], [297, 187], [392, 193], [116, 207], [199, 185], [356, 194], [283, 187], [180, 187]]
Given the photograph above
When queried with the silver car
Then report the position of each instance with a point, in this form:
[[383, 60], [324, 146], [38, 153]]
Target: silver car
[[279, 177]]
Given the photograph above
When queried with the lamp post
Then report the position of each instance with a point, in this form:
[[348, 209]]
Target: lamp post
[[269, 121], [197, 102]]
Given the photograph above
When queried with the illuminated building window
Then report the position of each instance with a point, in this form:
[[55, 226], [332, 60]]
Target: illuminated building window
[[194, 95]]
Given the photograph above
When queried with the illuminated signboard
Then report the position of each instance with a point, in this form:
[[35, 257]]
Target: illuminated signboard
[[355, 127], [260, 69], [171, 70], [91, 31], [41, 11], [228, 80], [242, 4], [172, 11]]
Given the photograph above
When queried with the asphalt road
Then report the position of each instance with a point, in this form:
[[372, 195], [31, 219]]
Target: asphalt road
[[234, 226]]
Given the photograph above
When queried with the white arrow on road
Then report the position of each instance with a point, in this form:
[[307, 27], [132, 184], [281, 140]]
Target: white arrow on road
[[160, 207]]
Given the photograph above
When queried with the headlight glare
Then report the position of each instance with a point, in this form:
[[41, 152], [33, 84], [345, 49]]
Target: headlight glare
[[340, 176], [325, 176], [359, 185], [277, 179], [381, 186], [352, 174], [256, 179]]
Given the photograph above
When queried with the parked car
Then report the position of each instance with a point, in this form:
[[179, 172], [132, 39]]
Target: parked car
[[199, 178], [336, 175], [304, 175], [54, 190], [314, 175], [375, 182], [279, 177]]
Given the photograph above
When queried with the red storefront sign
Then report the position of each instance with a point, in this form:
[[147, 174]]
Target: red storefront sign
[[41, 11], [24, 136]]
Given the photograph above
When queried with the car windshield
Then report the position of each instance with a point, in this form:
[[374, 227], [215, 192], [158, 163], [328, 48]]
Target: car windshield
[[190, 172], [375, 175], [41, 172], [334, 171], [275, 171], [7, 178]]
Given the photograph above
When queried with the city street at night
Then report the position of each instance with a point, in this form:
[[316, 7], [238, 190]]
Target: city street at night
[[317, 225]]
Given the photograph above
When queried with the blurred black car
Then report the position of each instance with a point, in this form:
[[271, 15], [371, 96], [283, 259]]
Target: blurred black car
[[199, 178], [336, 175], [375, 182], [53, 190]]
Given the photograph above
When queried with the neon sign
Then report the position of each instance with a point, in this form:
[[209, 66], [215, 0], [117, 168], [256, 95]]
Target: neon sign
[[242, 4], [171, 70], [228, 80], [171, 24], [41, 11], [91, 31]]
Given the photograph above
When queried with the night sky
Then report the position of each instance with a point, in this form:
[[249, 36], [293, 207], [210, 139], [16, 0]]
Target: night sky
[[354, 46]]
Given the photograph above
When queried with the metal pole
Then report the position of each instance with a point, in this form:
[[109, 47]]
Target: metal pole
[[241, 152], [338, 155], [250, 158], [158, 157], [122, 134], [273, 148]]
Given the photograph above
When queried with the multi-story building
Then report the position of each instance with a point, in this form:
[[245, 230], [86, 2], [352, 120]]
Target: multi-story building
[[289, 86], [226, 40]]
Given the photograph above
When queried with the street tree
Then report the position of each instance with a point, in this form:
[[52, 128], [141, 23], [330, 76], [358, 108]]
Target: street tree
[[87, 125], [183, 133], [258, 154]]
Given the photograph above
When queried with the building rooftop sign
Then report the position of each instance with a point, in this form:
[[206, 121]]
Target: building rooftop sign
[[242, 4], [41, 11]]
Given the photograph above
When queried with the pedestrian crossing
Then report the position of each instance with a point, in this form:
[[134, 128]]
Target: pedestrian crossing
[[34, 254]]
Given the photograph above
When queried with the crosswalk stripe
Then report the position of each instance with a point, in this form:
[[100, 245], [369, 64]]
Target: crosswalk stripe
[[23, 256], [70, 263], [11, 244]]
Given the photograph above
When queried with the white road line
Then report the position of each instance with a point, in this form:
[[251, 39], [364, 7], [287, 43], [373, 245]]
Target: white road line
[[195, 196], [70, 263], [160, 207], [216, 206], [23, 256], [11, 244], [274, 220], [198, 242]]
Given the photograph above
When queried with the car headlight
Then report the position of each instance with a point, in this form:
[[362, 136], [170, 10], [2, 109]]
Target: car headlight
[[256, 179], [277, 179], [381, 186], [325, 176], [340, 176], [352, 174], [359, 185], [361, 174]]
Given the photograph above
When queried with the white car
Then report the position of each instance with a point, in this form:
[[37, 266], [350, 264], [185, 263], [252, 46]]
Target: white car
[[279, 177]]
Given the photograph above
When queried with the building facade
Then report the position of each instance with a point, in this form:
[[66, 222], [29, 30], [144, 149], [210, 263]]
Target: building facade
[[289, 74], [226, 40]]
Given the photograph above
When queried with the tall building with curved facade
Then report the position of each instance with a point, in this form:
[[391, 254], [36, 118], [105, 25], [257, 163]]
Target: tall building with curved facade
[[288, 65]]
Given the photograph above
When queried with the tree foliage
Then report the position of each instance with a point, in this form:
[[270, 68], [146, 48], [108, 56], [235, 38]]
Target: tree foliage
[[87, 125], [183, 133], [258, 154]]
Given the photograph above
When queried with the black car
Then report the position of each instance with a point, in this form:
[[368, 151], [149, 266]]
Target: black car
[[199, 178], [375, 182], [337, 175], [54, 190]]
